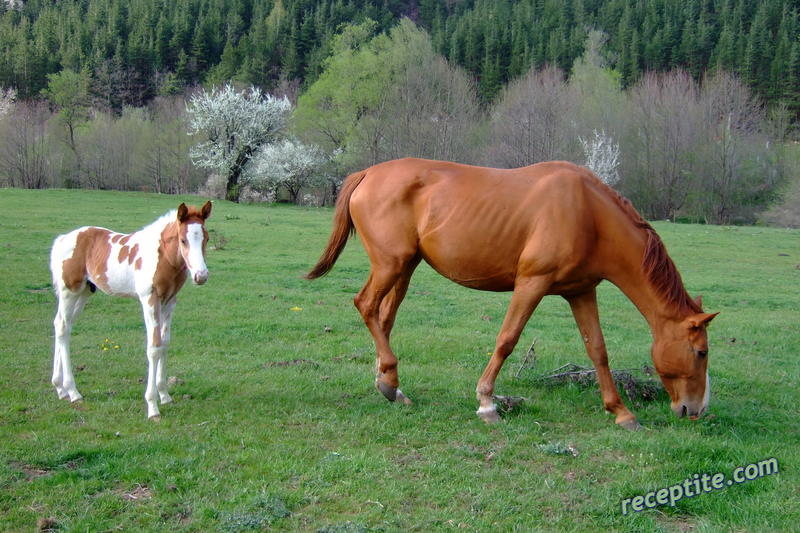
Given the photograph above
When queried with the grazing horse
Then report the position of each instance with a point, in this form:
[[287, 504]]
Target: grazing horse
[[150, 264], [549, 228]]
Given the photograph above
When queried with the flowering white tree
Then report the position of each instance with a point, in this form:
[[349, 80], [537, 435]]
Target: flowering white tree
[[602, 156], [7, 97], [235, 125], [289, 164]]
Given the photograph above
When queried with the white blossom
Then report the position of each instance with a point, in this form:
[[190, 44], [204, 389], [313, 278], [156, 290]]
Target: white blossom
[[288, 163], [235, 125], [7, 98], [602, 156]]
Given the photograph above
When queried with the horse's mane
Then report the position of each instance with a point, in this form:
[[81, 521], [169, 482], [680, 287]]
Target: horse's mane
[[158, 225], [657, 265]]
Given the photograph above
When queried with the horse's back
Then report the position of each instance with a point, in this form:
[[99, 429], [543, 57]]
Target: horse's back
[[476, 225]]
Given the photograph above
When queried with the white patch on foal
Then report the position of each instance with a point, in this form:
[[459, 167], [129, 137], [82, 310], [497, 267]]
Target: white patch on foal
[[150, 264]]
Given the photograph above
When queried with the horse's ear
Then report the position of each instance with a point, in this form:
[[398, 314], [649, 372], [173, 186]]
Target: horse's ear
[[205, 211], [183, 212], [700, 319], [699, 301]]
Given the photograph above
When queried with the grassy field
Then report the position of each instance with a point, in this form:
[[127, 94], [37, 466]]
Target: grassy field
[[277, 425]]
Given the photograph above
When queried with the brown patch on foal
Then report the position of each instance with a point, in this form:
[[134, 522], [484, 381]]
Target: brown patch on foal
[[88, 259], [127, 253]]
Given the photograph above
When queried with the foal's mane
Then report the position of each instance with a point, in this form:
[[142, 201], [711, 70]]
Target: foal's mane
[[657, 265]]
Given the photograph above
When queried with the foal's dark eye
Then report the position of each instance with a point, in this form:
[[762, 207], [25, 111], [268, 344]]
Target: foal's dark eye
[[702, 353]]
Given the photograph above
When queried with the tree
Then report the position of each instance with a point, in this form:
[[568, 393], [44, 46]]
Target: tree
[[664, 131], [289, 164], [68, 91], [602, 156], [7, 98], [235, 125], [24, 151], [534, 121], [388, 96]]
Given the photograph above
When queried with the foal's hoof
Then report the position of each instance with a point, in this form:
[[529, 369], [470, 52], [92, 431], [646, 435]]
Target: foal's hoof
[[155, 418], [392, 393], [489, 414], [631, 424]]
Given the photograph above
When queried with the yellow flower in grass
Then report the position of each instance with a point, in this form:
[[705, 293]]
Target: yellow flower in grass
[[296, 309]]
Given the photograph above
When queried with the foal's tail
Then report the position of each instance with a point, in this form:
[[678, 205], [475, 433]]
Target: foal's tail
[[342, 227]]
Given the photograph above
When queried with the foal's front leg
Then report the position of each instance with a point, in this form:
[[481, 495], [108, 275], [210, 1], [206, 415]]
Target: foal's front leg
[[161, 370], [153, 320]]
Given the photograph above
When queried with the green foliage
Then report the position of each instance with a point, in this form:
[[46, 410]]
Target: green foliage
[[132, 48], [254, 419]]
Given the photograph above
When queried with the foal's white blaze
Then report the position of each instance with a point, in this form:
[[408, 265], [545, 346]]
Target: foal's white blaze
[[193, 253]]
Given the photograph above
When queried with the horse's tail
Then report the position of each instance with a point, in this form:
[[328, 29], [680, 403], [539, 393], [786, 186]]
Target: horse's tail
[[342, 227]]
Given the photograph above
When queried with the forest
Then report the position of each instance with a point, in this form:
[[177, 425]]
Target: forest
[[680, 98]]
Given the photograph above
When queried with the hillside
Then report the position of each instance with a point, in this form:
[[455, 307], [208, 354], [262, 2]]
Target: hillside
[[137, 50]]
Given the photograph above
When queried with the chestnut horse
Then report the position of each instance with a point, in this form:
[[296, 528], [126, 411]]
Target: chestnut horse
[[150, 264], [549, 228]]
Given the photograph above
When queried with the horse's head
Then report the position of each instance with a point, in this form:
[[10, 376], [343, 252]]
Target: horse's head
[[680, 356], [192, 239]]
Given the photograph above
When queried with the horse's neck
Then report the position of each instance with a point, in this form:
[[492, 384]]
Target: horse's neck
[[631, 279], [168, 245]]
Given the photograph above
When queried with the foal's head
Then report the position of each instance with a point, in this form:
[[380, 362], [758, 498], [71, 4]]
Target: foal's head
[[192, 239], [681, 359]]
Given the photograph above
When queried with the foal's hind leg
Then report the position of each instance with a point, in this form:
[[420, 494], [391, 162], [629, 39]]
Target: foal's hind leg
[[381, 280], [70, 304]]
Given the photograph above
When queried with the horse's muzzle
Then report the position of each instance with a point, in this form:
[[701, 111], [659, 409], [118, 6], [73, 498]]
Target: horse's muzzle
[[200, 277], [683, 409]]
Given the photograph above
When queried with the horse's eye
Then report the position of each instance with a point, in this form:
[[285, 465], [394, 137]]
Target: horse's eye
[[184, 242], [702, 353]]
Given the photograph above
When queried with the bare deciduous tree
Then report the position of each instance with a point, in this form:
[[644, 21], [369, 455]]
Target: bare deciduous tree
[[24, 150], [734, 161], [664, 129], [533, 121]]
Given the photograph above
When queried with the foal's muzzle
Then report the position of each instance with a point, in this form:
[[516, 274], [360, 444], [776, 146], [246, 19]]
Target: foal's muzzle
[[200, 277]]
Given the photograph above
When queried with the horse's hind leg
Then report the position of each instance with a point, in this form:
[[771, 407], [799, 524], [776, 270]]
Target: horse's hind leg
[[70, 304], [382, 280]]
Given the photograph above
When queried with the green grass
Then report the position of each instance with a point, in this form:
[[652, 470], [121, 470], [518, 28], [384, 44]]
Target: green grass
[[277, 425]]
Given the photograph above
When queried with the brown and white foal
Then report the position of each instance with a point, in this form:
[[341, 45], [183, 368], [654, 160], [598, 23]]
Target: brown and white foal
[[150, 264]]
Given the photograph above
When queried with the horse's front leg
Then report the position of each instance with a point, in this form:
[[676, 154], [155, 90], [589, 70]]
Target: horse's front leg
[[584, 308], [161, 369], [528, 292], [153, 320]]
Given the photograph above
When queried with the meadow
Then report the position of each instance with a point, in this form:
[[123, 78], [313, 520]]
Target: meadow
[[276, 424]]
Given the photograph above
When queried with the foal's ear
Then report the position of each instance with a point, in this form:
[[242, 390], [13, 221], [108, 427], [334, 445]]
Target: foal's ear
[[183, 212], [205, 211], [699, 301], [700, 320]]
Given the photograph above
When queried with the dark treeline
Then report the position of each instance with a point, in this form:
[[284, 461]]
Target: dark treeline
[[134, 51]]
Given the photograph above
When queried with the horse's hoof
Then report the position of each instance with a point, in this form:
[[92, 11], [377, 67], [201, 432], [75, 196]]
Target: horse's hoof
[[387, 390], [155, 418], [489, 414], [166, 399], [631, 424]]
